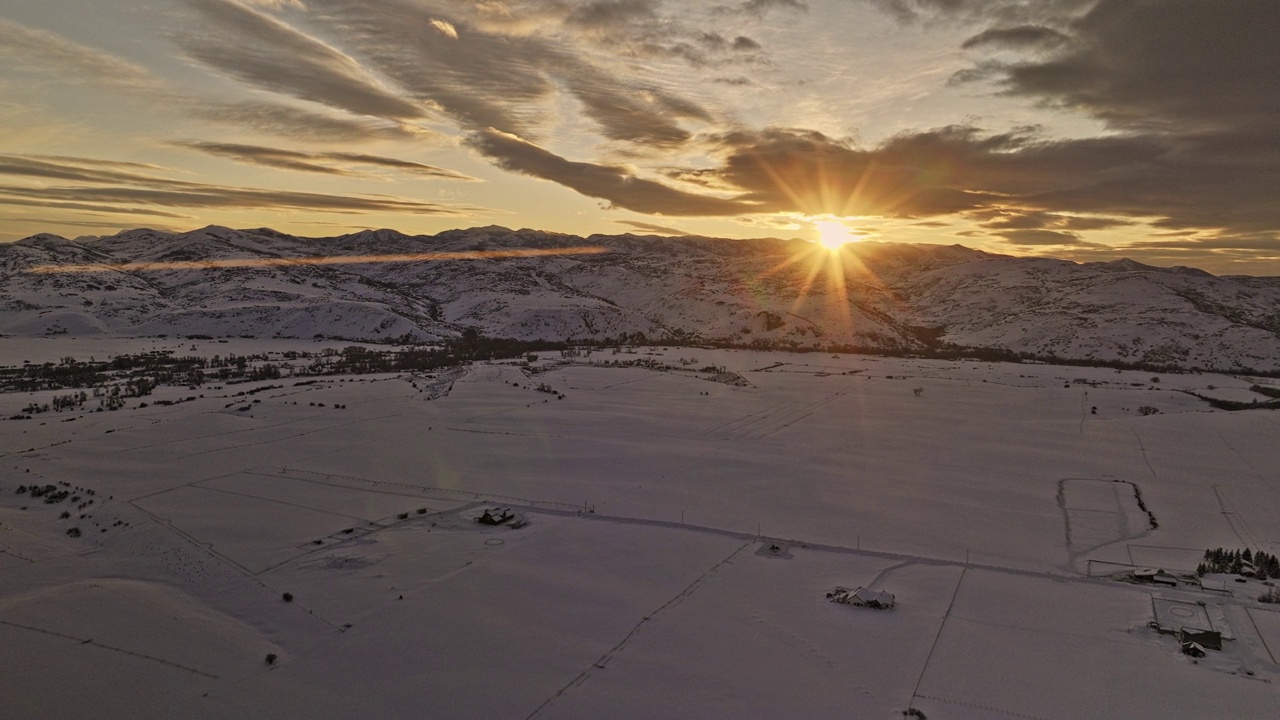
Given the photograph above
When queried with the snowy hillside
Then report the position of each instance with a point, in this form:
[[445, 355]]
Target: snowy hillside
[[766, 292]]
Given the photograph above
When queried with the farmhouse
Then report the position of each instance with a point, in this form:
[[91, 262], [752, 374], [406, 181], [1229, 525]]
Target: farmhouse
[[1156, 576]]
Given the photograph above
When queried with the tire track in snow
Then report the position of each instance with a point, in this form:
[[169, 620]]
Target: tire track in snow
[[90, 641], [603, 661]]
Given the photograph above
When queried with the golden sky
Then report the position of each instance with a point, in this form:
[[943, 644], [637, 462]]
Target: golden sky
[[1076, 128]]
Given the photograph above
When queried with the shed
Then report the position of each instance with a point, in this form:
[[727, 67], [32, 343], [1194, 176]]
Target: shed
[[1193, 648], [1211, 639]]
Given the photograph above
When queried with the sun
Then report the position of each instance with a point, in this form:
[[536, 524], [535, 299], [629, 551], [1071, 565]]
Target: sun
[[832, 234]]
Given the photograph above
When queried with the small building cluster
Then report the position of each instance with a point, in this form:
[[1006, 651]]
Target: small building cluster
[[1189, 622], [495, 516], [1156, 576]]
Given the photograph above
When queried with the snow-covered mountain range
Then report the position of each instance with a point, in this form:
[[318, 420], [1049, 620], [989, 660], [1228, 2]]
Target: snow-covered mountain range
[[781, 292]]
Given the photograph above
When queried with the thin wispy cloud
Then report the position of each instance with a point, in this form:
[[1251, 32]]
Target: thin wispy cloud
[[53, 55], [104, 187], [328, 163], [263, 51], [651, 227], [294, 123]]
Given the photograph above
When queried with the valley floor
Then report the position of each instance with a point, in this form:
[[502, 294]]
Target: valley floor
[[674, 534]]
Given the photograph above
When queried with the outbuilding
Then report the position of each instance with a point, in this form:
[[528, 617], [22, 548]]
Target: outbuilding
[[1211, 639], [1193, 649], [862, 597]]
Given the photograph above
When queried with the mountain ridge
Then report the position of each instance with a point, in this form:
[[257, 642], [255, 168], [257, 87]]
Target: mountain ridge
[[762, 292]]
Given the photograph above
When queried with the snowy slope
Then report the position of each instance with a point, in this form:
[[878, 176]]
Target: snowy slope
[[746, 292]]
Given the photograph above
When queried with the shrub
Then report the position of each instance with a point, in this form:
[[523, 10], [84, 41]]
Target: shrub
[[287, 597], [73, 532], [271, 658]]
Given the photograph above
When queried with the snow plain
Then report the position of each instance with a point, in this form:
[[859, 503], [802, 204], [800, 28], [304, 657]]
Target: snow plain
[[993, 503]]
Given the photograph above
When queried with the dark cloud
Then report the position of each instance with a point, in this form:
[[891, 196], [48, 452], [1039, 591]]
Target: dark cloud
[[1190, 88], [1022, 37], [1166, 66], [650, 227], [609, 15], [788, 170], [1008, 12], [615, 185], [329, 163], [760, 8], [742, 43]]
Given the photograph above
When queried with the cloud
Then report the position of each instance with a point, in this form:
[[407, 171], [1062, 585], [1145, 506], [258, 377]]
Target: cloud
[[301, 124], [48, 53], [92, 184], [1164, 66], [94, 224], [1007, 12], [1021, 37], [1188, 89], [445, 27], [616, 185], [329, 163], [1015, 219], [609, 16], [263, 51], [760, 8], [85, 207], [650, 227], [73, 169], [278, 4], [1038, 237], [489, 79], [193, 195], [804, 171]]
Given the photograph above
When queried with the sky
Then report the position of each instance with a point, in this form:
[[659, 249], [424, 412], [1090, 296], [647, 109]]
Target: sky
[[1082, 129]]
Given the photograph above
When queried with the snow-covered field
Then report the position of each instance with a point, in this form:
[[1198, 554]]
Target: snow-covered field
[[680, 530]]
